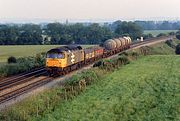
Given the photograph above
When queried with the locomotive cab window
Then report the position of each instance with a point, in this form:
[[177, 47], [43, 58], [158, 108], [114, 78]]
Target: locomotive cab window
[[56, 55]]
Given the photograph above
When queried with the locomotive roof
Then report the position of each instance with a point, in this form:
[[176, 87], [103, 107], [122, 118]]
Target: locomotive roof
[[66, 48]]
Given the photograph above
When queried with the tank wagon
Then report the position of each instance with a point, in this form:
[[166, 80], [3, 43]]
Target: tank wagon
[[117, 45], [67, 58]]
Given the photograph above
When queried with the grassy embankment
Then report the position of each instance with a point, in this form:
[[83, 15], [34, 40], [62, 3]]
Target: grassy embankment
[[156, 32], [146, 89]]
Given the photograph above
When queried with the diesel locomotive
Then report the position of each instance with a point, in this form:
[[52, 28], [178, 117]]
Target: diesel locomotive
[[65, 59]]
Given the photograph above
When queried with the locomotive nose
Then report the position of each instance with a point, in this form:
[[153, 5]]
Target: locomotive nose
[[53, 63]]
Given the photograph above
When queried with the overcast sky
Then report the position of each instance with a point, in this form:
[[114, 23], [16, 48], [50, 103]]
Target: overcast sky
[[89, 9]]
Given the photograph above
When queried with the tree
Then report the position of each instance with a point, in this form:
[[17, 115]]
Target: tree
[[30, 34], [178, 34], [129, 28], [147, 36], [97, 34], [8, 34], [77, 33], [161, 34], [178, 49]]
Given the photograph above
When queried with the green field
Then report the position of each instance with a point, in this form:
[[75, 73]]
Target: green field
[[156, 32], [23, 50]]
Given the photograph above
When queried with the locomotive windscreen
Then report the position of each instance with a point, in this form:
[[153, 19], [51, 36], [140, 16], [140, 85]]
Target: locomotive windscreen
[[55, 55]]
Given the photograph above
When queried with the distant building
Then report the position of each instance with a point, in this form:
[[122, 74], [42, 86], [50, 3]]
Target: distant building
[[46, 39]]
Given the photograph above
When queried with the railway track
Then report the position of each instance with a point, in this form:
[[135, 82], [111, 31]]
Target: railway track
[[8, 86], [7, 83], [29, 81], [11, 95]]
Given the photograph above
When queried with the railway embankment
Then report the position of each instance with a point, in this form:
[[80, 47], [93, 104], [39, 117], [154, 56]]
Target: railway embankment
[[141, 84]]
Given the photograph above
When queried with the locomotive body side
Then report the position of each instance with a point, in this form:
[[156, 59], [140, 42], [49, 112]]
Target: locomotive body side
[[74, 56]]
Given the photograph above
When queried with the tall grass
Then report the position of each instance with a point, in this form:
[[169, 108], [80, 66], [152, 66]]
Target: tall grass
[[147, 89]]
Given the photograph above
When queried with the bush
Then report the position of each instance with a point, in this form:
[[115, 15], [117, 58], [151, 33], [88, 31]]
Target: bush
[[178, 36], [170, 43], [124, 54], [172, 33], [73, 80], [124, 60], [12, 60], [90, 76], [148, 36], [134, 54], [98, 63], [145, 50], [178, 49], [161, 34]]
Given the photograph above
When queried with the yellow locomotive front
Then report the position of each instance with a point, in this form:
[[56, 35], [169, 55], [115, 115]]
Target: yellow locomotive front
[[55, 60], [64, 59]]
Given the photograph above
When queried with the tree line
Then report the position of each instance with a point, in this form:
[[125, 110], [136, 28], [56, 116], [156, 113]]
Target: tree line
[[57, 33], [159, 25]]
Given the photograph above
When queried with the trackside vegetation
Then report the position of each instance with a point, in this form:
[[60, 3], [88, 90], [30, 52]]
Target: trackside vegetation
[[115, 89], [22, 64]]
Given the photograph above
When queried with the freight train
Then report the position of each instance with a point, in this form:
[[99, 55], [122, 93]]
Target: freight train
[[65, 59]]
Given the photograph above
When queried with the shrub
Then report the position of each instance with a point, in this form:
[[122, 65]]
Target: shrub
[[134, 54], [170, 43], [172, 33], [40, 59], [73, 80], [145, 50], [124, 60], [98, 63], [12, 60], [161, 34], [178, 49], [178, 36], [147, 36], [90, 76], [124, 53]]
